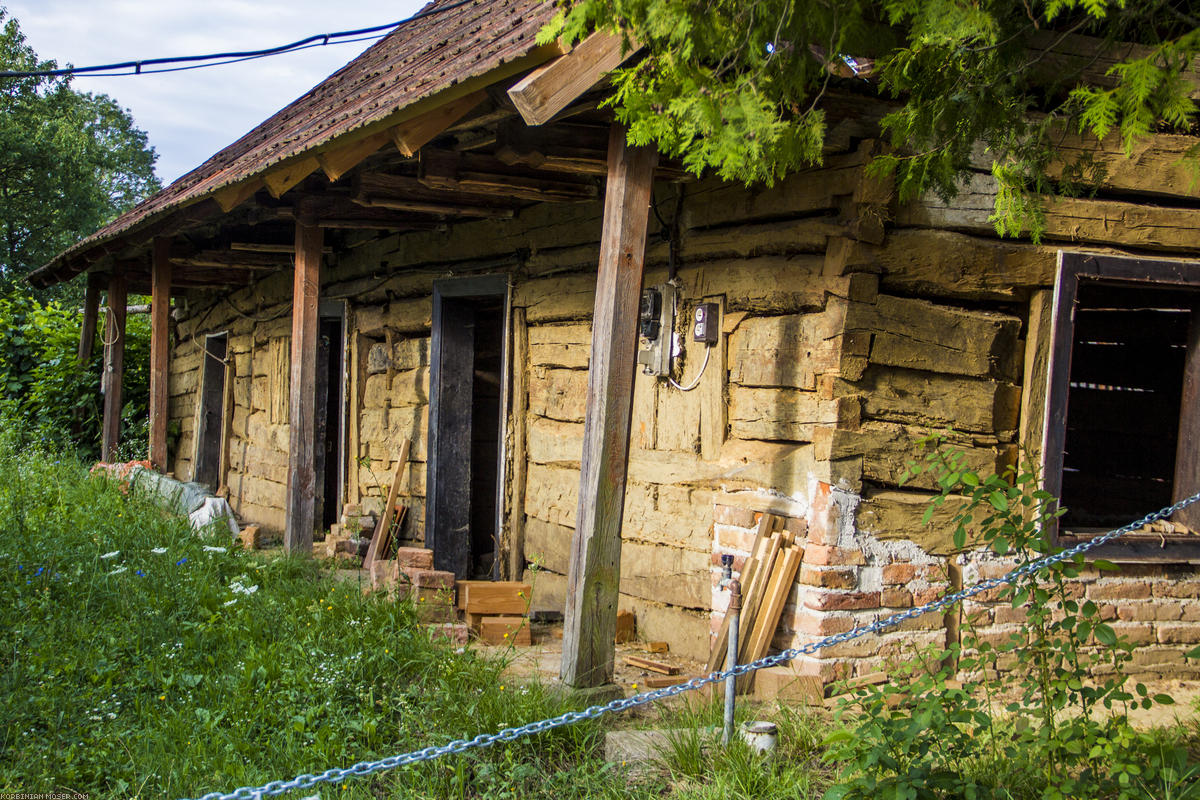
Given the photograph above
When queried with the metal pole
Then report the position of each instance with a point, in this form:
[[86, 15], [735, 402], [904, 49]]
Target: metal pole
[[735, 609]]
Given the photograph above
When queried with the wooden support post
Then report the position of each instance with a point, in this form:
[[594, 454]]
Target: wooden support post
[[114, 365], [302, 473], [520, 449], [160, 307], [91, 309], [594, 572]]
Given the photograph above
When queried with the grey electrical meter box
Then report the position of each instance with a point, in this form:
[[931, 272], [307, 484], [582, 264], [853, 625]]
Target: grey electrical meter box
[[656, 328]]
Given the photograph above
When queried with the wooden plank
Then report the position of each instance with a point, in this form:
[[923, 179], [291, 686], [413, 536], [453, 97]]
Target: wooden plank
[[461, 590], [227, 410], [280, 180], [551, 88], [412, 135], [160, 307], [757, 596], [1187, 450], [594, 574], [717, 656], [505, 630], [776, 594], [302, 477], [337, 162], [91, 310], [114, 364], [520, 447], [383, 529], [657, 682], [495, 597], [714, 411], [653, 666]]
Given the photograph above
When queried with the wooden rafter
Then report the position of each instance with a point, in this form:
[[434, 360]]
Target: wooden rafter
[[451, 171], [548, 90], [411, 135], [378, 190]]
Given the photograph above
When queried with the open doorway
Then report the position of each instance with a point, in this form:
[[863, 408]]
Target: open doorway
[[329, 414], [467, 408], [211, 424]]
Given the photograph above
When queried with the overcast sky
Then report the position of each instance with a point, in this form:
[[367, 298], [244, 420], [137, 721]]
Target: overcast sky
[[191, 115]]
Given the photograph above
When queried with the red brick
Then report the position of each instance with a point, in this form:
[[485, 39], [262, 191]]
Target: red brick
[[825, 625], [796, 526], [453, 632], [923, 596], [414, 557], [896, 598], [735, 538], [1119, 590], [432, 578], [827, 555], [1182, 590], [1148, 612], [1178, 633], [895, 574], [841, 601], [732, 515], [831, 578]]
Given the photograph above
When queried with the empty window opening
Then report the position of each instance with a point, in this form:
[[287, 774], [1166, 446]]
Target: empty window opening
[[1129, 353], [328, 421]]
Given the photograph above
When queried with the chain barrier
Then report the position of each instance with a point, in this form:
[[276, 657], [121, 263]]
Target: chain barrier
[[364, 768]]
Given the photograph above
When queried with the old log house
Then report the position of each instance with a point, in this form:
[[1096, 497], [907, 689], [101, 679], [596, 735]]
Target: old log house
[[446, 242]]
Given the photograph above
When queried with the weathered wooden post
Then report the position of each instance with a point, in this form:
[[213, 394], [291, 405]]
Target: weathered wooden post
[[302, 476], [160, 307], [91, 310], [114, 364], [595, 567]]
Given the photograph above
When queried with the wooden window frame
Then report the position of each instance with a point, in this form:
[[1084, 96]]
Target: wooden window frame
[[1074, 268]]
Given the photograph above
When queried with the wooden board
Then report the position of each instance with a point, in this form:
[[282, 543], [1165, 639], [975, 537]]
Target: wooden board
[[496, 598], [754, 599], [519, 367], [551, 88], [384, 527], [774, 597], [1187, 453], [505, 630], [651, 665], [716, 658], [91, 310], [302, 476]]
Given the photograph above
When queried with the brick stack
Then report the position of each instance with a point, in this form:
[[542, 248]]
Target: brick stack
[[347, 537]]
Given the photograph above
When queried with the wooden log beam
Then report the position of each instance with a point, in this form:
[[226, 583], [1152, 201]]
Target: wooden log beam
[[449, 170], [91, 307], [160, 307], [549, 89], [594, 573], [114, 365], [412, 135], [301, 482]]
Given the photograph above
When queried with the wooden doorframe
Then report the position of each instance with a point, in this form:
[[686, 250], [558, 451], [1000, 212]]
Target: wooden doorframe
[[202, 387], [439, 465], [340, 309]]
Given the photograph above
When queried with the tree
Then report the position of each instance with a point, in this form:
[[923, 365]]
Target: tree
[[735, 85], [70, 161]]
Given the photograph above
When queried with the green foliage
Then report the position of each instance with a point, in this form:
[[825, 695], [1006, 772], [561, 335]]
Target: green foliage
[[70, 161], [1042, 712], [735, 87], [43, 383]]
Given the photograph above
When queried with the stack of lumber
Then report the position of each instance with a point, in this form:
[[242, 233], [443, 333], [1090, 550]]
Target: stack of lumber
[[766, 582], [496, 611]]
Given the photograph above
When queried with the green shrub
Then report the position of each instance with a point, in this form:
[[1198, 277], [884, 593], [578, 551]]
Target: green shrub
[[47, 391]]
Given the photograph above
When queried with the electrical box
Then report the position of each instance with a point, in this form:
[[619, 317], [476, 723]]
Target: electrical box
[[706, 323], [656, 327]]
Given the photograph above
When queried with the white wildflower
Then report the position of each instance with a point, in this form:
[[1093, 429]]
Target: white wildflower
[[230, 602], [208, 548], [159, 550], [119, 570], [113, 554]]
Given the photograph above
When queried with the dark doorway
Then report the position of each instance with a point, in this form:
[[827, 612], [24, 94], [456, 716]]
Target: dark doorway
[[209, 436], [462, 516], [328, 420]]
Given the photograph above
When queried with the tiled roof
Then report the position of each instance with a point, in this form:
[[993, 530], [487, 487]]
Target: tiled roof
[[417, 60]]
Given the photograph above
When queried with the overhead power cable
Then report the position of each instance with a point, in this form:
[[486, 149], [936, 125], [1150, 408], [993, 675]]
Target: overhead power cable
[[195, 62]]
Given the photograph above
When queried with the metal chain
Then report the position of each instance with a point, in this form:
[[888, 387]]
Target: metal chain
[[307, 781]]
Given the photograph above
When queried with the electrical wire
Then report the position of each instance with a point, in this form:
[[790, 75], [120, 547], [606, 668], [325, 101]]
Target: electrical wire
[[696, 381], [316, 40]]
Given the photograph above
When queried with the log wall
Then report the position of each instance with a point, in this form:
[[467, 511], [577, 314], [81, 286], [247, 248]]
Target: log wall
[[851, 327]]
